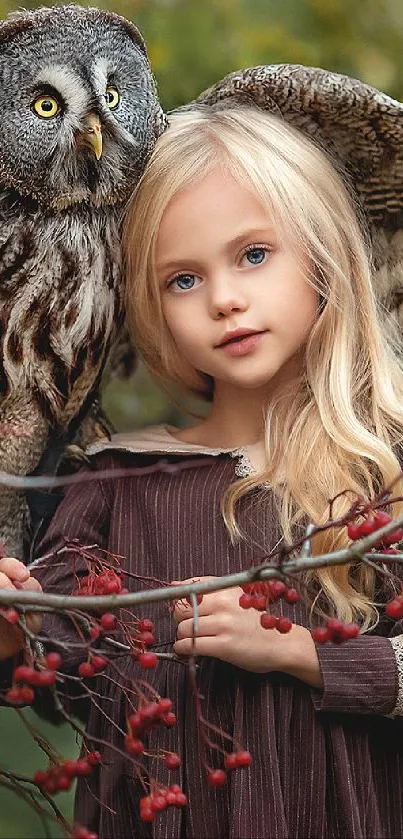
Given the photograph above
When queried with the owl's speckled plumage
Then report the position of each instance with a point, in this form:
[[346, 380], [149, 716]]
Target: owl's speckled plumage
[[60, 266]]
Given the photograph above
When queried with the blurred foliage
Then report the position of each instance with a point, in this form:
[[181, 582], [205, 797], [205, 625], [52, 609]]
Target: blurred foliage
[[192, 44]]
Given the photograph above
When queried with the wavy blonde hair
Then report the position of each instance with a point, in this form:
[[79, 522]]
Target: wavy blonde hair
[[334, 428]]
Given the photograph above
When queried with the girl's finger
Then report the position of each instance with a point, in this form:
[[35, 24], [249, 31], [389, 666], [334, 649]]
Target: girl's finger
[[206, 626], [5, 582], [14, 569], [31, 585], [207, 645]]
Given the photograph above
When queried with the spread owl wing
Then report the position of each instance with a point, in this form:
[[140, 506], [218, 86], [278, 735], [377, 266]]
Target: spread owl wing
[[360, 127]]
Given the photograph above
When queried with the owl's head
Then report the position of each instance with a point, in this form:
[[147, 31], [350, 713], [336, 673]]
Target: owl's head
[[78, 104]]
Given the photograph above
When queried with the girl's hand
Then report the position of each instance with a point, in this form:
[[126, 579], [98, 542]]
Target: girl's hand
[[232, 634], [14, 575]]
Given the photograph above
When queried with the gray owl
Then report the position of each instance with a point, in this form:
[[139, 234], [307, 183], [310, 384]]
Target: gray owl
[[79, 118]]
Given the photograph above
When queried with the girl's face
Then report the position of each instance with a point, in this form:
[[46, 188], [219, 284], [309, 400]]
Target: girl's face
[[236, 303]]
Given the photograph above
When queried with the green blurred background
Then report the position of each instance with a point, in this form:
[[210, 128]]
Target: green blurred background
[[192, 44]]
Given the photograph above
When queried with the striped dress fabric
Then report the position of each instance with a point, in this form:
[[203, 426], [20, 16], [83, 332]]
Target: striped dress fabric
[[326, 763]]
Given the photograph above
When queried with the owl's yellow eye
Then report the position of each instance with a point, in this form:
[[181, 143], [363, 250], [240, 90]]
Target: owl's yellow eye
[[112, 97], [46, 107]]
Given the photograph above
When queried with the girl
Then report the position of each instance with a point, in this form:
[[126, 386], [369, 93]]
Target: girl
[[250, 284]]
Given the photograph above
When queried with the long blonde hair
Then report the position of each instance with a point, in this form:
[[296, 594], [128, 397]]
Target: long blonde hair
[[336, 426]]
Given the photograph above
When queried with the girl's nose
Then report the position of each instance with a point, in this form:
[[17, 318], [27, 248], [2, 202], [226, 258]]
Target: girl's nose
[[225, 298]]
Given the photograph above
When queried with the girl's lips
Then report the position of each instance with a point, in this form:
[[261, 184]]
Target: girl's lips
[[242, 346]]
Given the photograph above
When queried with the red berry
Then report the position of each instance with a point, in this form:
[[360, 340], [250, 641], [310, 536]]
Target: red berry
[[147, 638], [27, 695], [94, 758], [69, 767], [53, 661], [175, 788], [135, 723], [11, 615], [150, 712], [64, 783], [146, 625], [45, 678], [98, 662], [394, 609], [243, 758], [351, 630], [181, 799], [246, 601], [158, 803], [291, 596], [260, 602], [22, 673], [95, 632], [147, 815], [277, 589], [133, 746], [169, 718], [382, 518], [353, 531], [40, 777], [164, 705], [283, 625], [230, 761], [320, 635], [108, 621], [216, 778], [147, 660], [367, 527], [170, 797], [172, 760], [83, 767], [85, 669], [268, 621]]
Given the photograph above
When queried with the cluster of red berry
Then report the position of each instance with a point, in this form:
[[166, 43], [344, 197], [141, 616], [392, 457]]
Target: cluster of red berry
[[233, 760], [394, 609], [336, 632], [159, 800], [282, 624], [94, 664], [144, 720], [25, 676], [370, 525], [259, 595], [100, 581], [60, 776], [107, 623]]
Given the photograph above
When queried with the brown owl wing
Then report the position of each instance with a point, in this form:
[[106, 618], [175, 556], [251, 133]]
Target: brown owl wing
[[360, 127]]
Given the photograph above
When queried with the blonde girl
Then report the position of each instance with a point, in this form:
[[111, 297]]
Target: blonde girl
[[250, 284]]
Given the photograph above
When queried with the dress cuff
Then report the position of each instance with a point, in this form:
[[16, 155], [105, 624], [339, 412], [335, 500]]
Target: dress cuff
[[397, 645], [359, 677]]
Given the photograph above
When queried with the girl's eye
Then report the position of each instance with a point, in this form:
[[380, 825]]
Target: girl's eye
[[184, 282], [256, 256]]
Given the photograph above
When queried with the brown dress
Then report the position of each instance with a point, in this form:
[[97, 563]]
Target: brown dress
[[325, 764]]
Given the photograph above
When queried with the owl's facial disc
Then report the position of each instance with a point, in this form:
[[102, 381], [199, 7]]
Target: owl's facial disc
[[91, 137]]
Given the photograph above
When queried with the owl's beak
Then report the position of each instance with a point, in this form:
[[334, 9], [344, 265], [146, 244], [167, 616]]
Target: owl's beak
[[91, 137]]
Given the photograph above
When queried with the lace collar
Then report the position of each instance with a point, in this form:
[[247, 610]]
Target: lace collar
[[159, 439]]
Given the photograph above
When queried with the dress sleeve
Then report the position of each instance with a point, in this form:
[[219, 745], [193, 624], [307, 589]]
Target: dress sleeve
[[83, 515], [360, 676]]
